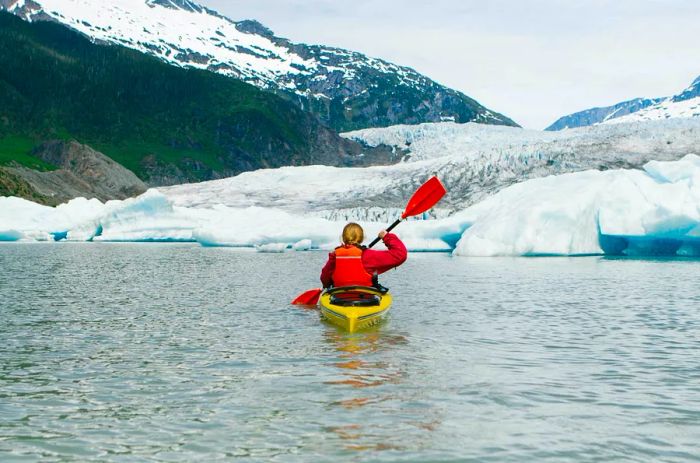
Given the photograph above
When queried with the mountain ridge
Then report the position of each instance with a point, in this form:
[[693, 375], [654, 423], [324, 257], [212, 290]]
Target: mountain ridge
[[346, 90]]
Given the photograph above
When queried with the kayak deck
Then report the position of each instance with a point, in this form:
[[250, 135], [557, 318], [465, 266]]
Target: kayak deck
[[354, 307]]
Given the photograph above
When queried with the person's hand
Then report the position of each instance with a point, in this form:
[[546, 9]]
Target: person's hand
[[382, 234]]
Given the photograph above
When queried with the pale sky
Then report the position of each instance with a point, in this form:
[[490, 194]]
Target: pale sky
[[532, 60]]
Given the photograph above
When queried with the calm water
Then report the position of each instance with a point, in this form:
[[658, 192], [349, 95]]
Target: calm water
[[145, 352]]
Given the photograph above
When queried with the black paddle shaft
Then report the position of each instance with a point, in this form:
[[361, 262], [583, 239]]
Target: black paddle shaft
[[391, 227]]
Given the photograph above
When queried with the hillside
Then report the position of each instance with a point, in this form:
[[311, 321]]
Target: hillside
[[345, 89], [166, 124]]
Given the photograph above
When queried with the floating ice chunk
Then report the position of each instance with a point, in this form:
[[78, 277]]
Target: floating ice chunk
[[22, 219], [149, 217], [10, 235], [551, 215], [302, 245], [272, 247], [250, 226]]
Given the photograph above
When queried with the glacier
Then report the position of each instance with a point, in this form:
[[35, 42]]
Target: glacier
[[474, 161], [654, 211]]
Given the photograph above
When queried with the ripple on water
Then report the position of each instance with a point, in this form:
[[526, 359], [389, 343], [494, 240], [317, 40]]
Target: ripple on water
[[123, 352]]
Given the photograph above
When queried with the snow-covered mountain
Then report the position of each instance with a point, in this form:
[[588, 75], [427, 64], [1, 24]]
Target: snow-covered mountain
[[347, 90], [598, 115], [683, 105]]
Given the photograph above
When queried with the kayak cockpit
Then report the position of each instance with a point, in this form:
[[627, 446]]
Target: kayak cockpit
[[354, 307]]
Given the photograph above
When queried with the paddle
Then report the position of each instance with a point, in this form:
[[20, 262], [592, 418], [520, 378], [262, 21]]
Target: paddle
[[423, 199], [309, 297]]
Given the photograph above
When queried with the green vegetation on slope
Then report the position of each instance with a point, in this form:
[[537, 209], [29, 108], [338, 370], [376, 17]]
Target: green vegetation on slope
[[17, 150], [12, 185], [167, 124]]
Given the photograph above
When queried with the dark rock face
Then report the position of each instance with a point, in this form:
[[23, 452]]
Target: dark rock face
[[82, 172], [252, 26], [691, 92], [177, 4], [597, 115], [350, 91]]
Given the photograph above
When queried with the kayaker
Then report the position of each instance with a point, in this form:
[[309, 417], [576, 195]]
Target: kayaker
[[352, 264]]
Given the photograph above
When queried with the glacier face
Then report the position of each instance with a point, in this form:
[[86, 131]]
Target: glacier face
[[474, 161], [345, 89]]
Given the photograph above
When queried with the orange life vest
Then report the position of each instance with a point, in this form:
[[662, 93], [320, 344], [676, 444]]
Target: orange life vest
[[349, 270]]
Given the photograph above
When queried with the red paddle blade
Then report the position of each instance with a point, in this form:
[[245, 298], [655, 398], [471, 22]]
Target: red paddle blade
[[425, 197], [309, 297]]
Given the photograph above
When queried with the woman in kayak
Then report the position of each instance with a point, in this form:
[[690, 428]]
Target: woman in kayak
[[352, 264]]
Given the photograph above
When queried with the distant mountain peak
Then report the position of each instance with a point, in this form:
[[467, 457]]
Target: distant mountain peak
[[685, 104], [346, 89], [597, 115], [178, 5], [682, 105], [251, 26], [691, 92]]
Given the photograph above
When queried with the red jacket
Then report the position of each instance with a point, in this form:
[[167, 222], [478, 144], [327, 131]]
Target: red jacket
[[372, 260]]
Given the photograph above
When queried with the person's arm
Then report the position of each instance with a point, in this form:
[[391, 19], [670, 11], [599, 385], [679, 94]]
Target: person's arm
[[381, 261], [327, 272]]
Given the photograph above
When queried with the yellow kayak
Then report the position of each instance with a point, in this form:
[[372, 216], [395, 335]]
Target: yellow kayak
[[354, 307]]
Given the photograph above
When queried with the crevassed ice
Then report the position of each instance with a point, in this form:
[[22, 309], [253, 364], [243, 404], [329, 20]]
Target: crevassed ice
[[473, 161]]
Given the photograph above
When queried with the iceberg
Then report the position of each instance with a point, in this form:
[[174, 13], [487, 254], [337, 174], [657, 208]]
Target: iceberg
[[654, 211], [272, 247], [302, 245], [617, 212], [149, 217]]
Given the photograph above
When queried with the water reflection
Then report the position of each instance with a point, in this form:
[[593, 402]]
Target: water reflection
[[371, 371]]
